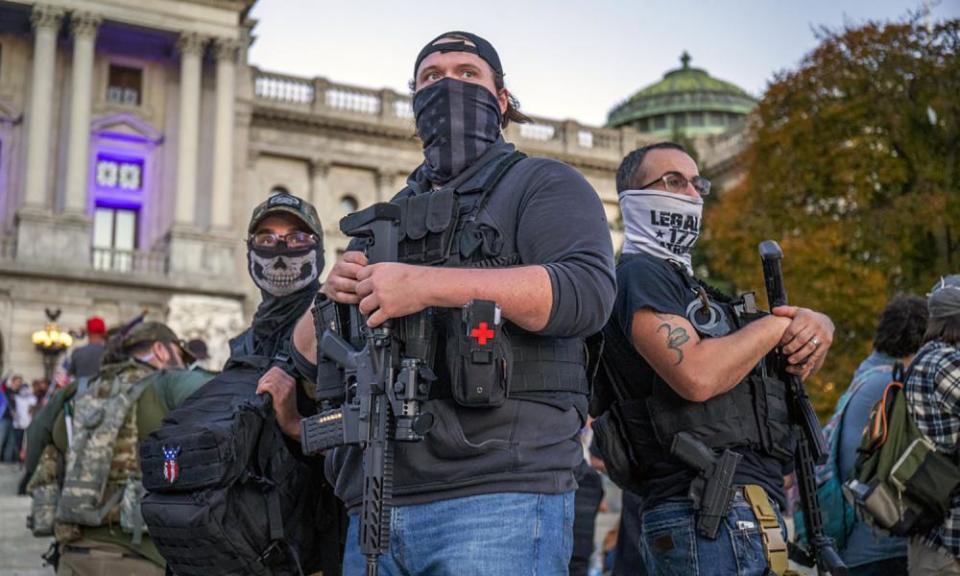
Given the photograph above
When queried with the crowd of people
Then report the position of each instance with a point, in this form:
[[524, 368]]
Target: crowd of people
[[519, 334], [19, 401]]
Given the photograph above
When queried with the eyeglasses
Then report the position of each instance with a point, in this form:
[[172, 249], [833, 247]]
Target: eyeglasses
[[291, 240], [676, 183]]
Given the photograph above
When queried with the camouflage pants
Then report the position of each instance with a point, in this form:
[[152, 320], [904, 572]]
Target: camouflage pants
[[88, 558]]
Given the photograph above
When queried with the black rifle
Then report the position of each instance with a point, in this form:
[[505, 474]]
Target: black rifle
[[811, 447], [382, 391], [712, 491]]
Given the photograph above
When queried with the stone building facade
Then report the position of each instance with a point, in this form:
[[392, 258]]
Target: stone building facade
[[135, 139]]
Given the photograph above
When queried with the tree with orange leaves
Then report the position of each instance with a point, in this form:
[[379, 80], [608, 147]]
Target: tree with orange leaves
[[854, 167]]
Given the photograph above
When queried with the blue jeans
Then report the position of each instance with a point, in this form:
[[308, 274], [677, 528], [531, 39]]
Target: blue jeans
[[510, 534], [669, 543]]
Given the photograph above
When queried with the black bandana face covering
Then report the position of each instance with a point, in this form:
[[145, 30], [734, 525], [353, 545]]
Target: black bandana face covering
[[282, 272], [457, 121]]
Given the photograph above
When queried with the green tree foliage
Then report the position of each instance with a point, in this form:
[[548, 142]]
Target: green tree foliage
[[854, 169]]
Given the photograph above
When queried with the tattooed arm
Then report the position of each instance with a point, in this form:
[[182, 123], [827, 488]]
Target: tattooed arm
[[699, 369]]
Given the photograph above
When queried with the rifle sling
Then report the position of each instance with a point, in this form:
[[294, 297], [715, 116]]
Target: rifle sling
[[774, 546]]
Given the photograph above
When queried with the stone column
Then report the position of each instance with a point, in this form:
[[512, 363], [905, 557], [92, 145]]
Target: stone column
[[191, 50], [226, 52], [84, 28], [385, 184], [46, 23], [320, 192]]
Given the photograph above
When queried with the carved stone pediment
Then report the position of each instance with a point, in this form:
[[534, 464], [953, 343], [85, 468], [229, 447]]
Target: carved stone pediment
[[125, 124]]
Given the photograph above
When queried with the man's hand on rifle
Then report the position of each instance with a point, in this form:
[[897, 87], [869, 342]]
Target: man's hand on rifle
[[341, 283], [806, 340], [391, 290], [282, 387], [383, 291], [388, 290]]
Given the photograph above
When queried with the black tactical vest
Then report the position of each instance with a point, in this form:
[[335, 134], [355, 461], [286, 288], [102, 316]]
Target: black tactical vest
[[442, 228], [636, 423]]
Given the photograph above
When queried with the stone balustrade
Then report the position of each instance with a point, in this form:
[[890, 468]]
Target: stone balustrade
[[129, 262], [568, 139], [150, 263]]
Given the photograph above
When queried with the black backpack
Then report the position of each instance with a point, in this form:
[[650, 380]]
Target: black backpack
[[227, 496]]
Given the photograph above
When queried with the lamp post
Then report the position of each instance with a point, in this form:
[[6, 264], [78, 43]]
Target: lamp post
[[50, 342]]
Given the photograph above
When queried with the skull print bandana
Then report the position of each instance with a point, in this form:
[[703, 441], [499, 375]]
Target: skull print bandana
[[282, 272], [288, 281]]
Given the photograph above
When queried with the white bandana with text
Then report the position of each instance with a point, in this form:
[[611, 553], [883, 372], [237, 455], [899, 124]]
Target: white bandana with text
[[662, 224]]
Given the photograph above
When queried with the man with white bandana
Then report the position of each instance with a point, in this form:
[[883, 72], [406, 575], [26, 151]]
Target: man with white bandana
[[684, 358]]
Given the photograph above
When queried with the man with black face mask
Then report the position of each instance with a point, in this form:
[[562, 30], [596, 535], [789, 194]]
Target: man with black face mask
[[681, 357], [489, 490]]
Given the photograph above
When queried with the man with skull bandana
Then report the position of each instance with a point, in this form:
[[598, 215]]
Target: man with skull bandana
[[285, 256], [285, 259], [489, 490]]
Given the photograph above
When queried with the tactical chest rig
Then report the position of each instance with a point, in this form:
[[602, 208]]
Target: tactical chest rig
[[443, 228], [637, 426]]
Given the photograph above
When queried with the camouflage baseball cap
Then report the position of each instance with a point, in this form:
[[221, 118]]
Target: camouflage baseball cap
[[151, 332], [284, 202]]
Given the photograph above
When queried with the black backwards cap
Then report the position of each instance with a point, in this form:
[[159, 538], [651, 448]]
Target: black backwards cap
[[481, 48]]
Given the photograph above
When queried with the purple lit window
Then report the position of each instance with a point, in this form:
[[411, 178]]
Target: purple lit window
[[115, 173]]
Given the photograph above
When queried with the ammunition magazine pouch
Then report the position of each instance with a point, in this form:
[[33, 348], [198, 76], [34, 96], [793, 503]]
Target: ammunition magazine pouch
[[427, 227]]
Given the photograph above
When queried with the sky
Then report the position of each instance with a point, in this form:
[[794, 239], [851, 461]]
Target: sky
[[562, 58]]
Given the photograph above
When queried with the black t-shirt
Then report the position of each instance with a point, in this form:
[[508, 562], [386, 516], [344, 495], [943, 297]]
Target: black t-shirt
[[647, 282]]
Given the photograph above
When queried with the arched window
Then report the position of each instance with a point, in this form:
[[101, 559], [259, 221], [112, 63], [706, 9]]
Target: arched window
[[279, 189], [348, 204]]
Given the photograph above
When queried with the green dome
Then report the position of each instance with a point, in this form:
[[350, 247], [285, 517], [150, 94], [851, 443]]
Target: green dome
[[687, 99]]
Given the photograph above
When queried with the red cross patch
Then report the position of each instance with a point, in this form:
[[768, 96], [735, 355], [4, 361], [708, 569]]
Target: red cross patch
[[482, 333]]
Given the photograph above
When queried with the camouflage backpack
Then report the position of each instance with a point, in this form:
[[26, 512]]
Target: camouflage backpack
[[101, 480]]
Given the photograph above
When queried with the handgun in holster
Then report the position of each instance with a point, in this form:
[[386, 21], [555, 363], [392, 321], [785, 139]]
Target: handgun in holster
[[712, 490]]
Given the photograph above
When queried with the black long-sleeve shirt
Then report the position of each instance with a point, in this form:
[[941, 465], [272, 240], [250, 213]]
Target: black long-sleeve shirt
[[548, 214]]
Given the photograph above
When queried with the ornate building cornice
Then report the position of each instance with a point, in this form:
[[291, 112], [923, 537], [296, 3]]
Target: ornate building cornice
[[45, 16], [191, 43], [277, 117], [84, 24], [226, 48]]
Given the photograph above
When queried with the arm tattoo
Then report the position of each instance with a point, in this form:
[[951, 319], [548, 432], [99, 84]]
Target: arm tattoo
[[676, 337]]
